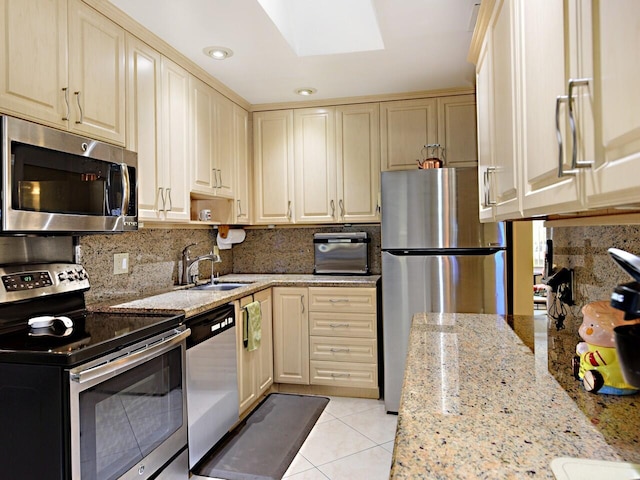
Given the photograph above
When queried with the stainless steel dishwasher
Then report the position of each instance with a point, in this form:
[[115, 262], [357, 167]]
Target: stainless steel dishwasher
[[212, 383]]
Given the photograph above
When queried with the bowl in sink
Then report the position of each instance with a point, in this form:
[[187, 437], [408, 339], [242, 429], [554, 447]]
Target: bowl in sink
[[221, 287]]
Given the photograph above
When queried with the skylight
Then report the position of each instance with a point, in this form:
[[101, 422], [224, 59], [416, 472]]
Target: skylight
[[323, 27]]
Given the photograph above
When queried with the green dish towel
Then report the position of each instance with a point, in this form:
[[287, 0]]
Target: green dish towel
[[252, 326]]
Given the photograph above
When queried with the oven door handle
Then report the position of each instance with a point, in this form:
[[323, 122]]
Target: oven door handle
[[129, 360]]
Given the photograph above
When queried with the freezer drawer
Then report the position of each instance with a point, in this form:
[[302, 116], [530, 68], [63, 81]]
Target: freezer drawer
[[438, 283]]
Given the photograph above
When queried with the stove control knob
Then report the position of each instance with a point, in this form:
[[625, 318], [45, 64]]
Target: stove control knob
[[62, 276]]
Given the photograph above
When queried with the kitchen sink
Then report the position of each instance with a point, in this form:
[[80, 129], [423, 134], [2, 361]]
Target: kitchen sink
[[221, 287]]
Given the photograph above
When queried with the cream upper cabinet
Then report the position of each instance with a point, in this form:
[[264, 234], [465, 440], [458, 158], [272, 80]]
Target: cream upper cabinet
[[96, 74], [173, 169], [457, 130], [63, 65], [498, 169], [315, 165], [291, 335], [243, 177], [405, 128], [358, 163], [614, 92], [273, 167], [544, 111], [33, 71], [143, 122], [213, 162], [224, 153]]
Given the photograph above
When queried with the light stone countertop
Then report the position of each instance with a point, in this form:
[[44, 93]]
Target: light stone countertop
[[478, 403], [192, 302]]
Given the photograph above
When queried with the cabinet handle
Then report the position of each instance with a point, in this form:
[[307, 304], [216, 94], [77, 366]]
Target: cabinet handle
[[338, 300], [339, 325], [339, 350], [335, 375], [561, 173], [240, 209], [333, 208], [302, 303], [161, 192], [219, 178], [289, 209], [77, 94], [66, 100], [487, 187], [170, 201], [575, 164], [341, 205], [215, 178]]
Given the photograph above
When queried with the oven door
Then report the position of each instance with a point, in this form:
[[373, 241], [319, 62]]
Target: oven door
[[128, 410]]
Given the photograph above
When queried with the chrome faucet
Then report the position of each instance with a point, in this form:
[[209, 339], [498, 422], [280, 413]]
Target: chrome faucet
[[189, 265]]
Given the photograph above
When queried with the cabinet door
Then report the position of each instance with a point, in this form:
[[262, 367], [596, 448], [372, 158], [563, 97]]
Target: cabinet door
[[247, 373], [486, 167], [505, 153], [241, 149], [315, 165], [175, 142], [224, 159], [358, 161], [615, 94], [143, 122], [542, 36], [203, 174], [405, 128], [457, 130], [273, 166], [33, 71], [290, 335], [264, 366], [96, 74]]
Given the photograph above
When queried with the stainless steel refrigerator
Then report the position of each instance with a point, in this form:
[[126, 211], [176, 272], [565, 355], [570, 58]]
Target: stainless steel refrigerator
[[436, 257]]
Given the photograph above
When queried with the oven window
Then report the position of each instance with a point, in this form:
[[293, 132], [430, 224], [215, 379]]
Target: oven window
[[126, 417]]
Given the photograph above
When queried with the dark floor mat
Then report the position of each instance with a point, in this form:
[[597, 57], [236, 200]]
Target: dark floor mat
[[264, 445]]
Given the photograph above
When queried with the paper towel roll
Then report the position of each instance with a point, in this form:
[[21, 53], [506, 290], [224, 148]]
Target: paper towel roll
[[235, 235]]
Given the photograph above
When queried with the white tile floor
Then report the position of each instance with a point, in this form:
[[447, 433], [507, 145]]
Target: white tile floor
[[352, 440]]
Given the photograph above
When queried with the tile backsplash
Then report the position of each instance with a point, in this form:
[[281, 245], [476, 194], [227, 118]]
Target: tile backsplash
[[154, 255], [584, 249]]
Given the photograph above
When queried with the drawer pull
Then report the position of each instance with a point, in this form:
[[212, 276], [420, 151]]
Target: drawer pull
[[339, 350], [337, 375], [339, 300], [339, 325]]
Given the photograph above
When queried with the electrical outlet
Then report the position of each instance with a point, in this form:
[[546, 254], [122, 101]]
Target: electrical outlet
[[120, 263]]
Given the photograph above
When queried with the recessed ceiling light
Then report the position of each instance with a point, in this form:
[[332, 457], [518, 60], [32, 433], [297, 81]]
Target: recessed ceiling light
[[306, 91], [218, 53]]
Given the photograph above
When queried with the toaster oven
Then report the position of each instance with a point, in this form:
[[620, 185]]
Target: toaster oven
[[341, 253]]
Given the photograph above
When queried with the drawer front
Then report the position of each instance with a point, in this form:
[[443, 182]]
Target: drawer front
[[342, 299], [337, 349], [360, 325], [342, 374]]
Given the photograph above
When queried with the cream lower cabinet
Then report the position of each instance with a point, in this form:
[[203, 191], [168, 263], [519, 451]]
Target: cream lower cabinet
[[291, 335], [343, 337], [255, 368]]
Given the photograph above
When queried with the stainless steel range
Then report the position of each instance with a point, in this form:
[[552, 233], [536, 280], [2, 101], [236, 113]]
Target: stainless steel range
[[86, 394]]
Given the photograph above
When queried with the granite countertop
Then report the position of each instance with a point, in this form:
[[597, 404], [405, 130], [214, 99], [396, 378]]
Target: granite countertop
[[193, 302], [477, 402]]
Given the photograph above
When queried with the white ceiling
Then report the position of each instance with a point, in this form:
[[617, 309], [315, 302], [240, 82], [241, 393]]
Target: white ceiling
[[426, 44]]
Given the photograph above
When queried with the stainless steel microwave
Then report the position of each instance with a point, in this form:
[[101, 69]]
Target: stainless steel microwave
[[54, 181]]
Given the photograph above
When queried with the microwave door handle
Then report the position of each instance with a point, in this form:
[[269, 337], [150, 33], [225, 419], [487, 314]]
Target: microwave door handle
[[126, 188]]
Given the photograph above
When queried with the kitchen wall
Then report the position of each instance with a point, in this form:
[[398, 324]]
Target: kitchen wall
[[154, 256], [584, 249], [290, 250]]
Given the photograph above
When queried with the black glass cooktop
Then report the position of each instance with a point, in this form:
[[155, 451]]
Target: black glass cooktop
[[91, 335]]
